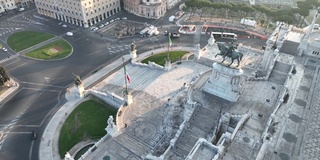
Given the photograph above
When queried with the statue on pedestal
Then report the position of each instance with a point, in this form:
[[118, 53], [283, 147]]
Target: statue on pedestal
[[77, 80], [79, 84], [133, 52], [67, 156], [133, 46], [229, 52], [110, 122], [211, 40]]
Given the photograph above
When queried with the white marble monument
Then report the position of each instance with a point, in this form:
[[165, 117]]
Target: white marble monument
[[225, 82]]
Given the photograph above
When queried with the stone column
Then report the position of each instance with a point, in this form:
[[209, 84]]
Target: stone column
[[167, 65], [197, 54], [128, 99]]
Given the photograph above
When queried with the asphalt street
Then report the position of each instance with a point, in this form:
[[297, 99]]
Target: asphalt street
[[44, 83]]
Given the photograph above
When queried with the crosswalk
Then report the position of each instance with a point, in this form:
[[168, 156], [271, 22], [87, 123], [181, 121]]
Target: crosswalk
[[10, 57], [115, 48], [4, 31]]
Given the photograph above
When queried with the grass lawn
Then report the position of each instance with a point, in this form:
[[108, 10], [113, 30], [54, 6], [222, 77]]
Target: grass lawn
[[55, 50], [0, 45], [159, 58], [87, 121], [25, 39]]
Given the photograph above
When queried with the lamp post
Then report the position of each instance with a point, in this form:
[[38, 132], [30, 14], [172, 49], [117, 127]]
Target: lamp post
[[125, 76]]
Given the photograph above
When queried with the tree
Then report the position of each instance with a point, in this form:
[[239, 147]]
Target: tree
[[4, 77], [246, 9]]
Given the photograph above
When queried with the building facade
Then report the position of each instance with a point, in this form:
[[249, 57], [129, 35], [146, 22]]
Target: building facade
[[6, 5], [79, 12], [153, 9], [23, 3]]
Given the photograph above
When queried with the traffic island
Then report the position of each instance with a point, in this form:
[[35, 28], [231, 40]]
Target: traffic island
[[56, 50], [22, 40]]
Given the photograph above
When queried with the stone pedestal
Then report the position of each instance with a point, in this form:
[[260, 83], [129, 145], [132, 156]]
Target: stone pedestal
[[167, 65], [128, 99], [197, 53], [225, 82], [80, 90], [112, 129], [133, 55], [113, 132]]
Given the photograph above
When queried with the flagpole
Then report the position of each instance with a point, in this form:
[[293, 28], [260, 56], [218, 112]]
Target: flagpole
[[168, 41], [125, 76]]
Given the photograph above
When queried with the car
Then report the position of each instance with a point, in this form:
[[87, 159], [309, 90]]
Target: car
[[111, 21], [5, 49], [124, 18], [60, 23], [117, 19], [106, 23], [64, 26], [21, 9], [96, 28], [34, 135], [70, 34], [102, 25]]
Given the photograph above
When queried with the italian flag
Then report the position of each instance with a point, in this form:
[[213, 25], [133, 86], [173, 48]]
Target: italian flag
[[170, 42], [127, 76]]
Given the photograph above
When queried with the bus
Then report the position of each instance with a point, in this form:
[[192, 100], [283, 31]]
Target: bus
[[225, 35]]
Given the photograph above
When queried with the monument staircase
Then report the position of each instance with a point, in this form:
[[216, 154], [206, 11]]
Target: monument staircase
[[201, 125]]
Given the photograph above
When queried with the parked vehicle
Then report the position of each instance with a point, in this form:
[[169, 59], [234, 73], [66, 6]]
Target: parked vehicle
[[102, 25], [64, 26], [112, 20], [21, 9], [60, 23], [172, 35], [106, 23], [124, 18], [117, 19], [4, 49]]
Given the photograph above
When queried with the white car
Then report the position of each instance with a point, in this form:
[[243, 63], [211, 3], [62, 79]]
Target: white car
[[95, 29], [111, 21], [124, 18], [106, 23], [117, 19], [64, 26], [102, 25], [70, 34], [4, 49]]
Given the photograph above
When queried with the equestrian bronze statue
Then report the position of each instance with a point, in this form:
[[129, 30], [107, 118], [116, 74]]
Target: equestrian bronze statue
[[229, 52]]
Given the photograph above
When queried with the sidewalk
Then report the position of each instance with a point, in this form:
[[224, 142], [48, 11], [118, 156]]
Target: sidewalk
[[49, 144], [14, 86]]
